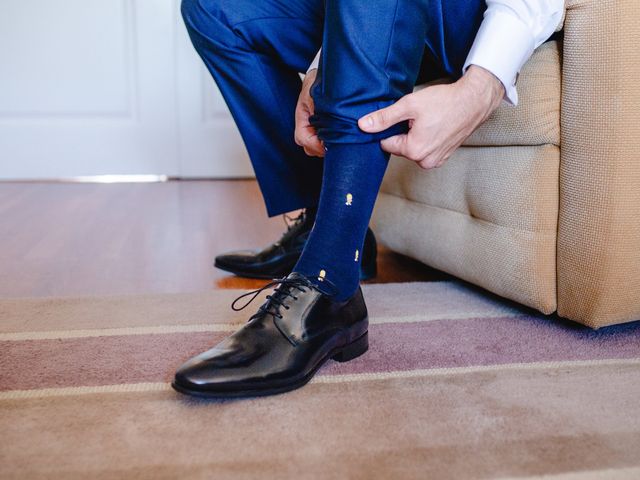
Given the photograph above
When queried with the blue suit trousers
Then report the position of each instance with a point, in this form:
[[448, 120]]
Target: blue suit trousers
[[374, 52]]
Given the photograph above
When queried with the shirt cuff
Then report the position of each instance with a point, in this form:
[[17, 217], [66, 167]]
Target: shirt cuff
[[315, 62], [502, 46]]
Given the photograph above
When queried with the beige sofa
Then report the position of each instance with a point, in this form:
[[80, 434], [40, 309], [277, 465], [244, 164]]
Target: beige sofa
[[542, 204]]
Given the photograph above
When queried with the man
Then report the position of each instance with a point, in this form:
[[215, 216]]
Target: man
[[354, 107]]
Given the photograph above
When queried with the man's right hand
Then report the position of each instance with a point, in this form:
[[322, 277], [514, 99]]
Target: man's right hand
[[441, 117], [305, 135]]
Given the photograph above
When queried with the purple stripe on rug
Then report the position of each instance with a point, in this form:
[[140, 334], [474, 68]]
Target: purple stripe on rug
[[395, 346]]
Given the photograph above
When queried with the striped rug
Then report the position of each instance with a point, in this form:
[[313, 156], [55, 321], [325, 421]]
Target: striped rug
[[457, 384]]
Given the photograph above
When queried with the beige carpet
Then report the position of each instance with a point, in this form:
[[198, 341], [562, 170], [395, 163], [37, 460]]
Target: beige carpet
[[457, 384]]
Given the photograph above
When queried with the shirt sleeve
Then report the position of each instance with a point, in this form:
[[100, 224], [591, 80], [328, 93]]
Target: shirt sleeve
[[315, 62], [510, 32]]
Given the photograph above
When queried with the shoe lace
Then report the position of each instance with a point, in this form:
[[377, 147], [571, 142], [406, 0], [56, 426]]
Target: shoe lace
[[284, 288], [292, 224]]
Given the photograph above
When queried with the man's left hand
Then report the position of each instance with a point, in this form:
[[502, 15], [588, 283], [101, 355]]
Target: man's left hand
[[441, 117]]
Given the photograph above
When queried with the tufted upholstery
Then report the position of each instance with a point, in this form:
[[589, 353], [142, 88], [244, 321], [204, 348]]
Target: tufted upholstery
[[536, 119], [542, 203]]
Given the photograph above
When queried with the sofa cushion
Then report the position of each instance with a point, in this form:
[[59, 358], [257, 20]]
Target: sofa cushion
[[536, 119], [488, 216]]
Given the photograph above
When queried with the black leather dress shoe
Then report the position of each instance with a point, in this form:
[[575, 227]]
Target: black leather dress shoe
[[279, 258], [282, 346]]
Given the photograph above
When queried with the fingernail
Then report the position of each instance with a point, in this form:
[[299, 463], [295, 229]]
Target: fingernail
[[370, 121]]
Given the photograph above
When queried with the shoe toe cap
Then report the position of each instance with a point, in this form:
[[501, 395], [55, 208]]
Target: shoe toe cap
[[196, 374], [218, 370]]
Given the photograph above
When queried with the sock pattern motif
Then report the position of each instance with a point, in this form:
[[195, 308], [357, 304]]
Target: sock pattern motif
[[351, 180]]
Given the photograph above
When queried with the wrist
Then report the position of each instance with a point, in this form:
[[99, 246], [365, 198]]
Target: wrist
[[484, 86], [310, 76]]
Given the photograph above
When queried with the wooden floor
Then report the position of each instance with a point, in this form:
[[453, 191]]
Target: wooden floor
[[62, 239]]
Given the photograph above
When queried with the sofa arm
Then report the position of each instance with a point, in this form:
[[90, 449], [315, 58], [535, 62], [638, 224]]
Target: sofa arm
[[599, 219]]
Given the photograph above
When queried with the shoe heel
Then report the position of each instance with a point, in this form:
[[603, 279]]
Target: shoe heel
[[353, 350], [368, 271], [369, 264]]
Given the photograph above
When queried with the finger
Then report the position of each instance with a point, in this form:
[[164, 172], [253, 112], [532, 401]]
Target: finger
[[312, 140], [313, 146], [304, 134], [387, 117], [429, 163], [396, 145], [314, 152]]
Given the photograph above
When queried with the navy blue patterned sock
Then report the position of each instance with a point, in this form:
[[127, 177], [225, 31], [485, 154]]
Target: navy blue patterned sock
[[351, 180]]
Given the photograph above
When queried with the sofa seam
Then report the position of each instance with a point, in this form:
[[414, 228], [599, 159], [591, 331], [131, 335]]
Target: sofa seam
[[478, 219]]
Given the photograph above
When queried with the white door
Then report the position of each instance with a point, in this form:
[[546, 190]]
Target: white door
[[210, 144], [95, 87]]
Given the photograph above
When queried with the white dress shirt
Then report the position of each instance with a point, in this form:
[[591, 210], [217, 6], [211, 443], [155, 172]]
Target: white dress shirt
[[510, 32]]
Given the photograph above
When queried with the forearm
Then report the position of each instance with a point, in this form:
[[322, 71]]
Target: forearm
[[510, 32]]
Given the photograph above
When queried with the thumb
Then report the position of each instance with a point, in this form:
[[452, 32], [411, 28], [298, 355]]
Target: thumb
[[396, 145], [382, 119]]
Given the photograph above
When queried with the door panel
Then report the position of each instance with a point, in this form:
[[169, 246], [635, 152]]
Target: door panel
[[210, 144], [93, 87], [59, 66]]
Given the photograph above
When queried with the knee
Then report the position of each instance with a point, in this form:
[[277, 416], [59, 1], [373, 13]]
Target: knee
[[203, 18], [191, 12]]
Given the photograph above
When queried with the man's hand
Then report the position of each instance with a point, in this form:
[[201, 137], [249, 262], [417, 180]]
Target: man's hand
[[440, 117], [305, 135]]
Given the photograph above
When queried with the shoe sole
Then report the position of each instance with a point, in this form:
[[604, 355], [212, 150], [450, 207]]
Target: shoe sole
[[343, 354]]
